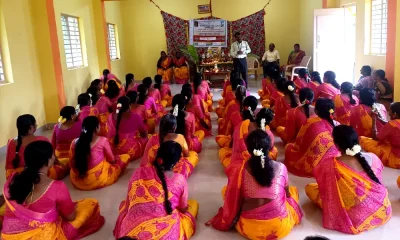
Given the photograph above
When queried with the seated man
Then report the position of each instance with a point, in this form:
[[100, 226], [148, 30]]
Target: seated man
[[295, 58], [270, 59]]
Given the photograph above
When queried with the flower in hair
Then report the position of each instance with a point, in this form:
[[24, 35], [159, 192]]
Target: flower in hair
[[306, 102], [84, 130], [90, 95], [176, 110], [263, 121], [260, 153], [331, 111], [102, 91], [356, 149], [61, 119], [119, 106], [77, 109], [290, 88]]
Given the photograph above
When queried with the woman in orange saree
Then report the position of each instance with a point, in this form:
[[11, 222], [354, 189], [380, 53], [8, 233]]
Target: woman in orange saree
[[349, 187], [272, 76], [360, 116], [314, 141], [40, 208], [106, 105], [228, 97], [84, 108], [164, 67], [67, 129], [186, 124], [344, 102], [93, 164], [168, 125], [165, 91], [235, 147], [258, 200], [233, 110], [329, 88], [275, 90], [15, 162], [386, 142], [181, 71], [283, 104], [157, 205], [297, 117], [127, 132]]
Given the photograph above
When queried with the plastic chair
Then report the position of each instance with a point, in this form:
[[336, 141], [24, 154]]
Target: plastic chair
[[303, 65], [252, 65]]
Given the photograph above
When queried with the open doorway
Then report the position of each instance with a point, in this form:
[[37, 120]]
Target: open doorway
[[335, 42]]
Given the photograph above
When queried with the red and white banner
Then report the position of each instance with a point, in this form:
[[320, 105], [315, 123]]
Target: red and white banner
[[208, 33]]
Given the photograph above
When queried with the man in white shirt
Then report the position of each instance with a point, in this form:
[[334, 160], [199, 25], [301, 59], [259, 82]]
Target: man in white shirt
[[271, 60], [239, 51]]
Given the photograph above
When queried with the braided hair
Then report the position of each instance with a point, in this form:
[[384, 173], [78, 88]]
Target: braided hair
[[265, 113], [24, 124], [168, 124], [240, 95], [290, 89], [347, 88], [323, 109], [158, 81], [249, 103], [142, 90], [179, 100], [129, 78], [345, 137], [306, 97], [125, 103]]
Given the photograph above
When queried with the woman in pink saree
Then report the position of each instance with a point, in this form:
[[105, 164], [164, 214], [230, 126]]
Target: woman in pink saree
[[107, 104], [153, 110], [226, 125], [168, 125], [349, 187], [140, 110], [84, 108], [314, 141], [203, 91], [258, 200], [283, 104], [153, 92], [157, 205], [107, 76], [93, 164], [165, 91], [344, 102], [186, 124], [130, 84], [41, 208], [127, 133], [360, 116], [315, 81], [67, 129], [15, 161], [303, 80], [195, 105], [297, 117], [329, 88]]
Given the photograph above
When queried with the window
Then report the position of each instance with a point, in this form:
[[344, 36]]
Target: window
[[2, 77], [379, 15], [112, 41], [72, 41]]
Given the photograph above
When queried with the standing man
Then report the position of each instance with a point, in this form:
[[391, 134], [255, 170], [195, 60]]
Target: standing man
[[271, 60], [239, 51]]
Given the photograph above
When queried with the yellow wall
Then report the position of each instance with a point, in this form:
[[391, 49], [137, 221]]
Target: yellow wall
[[76, 81], [397, 70], [25, 95], [113, 15], [145, 35]]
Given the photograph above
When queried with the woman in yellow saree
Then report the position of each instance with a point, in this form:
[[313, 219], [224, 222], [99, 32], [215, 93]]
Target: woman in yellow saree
[[181, 71], [157, 205], [41, 208], [258, 200], [235, 146], [164, 67], [93, 164], [386, 142], [314, 141], [349, 187]]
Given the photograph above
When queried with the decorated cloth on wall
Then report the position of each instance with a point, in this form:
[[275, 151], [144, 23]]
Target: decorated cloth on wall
[[251, 28]]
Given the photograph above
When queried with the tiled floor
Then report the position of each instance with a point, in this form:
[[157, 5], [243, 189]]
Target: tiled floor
[[205, 186]]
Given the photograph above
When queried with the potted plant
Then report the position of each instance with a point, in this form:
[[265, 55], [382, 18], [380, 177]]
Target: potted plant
[[193, 59]]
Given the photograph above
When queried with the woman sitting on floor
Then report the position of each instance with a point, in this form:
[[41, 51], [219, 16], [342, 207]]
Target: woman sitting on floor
[[315, 81], [40, 208], [258, 199], [329, 88], [314, 141], [344, 102], [203, 92], [233, 117], [265, 92], [153, 92], [67, 129], [93, 164], [157, 205], [107, 104], [276, 90], [165, 91], [386, 142], [168, 125], [349, 188], [107, 76], [195, 105], [297, 117], [361, 115], [229, 97], [235, 146], [84, 107], [186, 124], [139, 110], [283, 104], [127, 132], [164, 67], [154, 111], [15, 162], [130, 84], [97, 84], [181, 71], [303, 80]]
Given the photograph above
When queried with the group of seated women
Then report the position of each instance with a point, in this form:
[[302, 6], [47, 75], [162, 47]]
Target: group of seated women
[[173, 68]]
